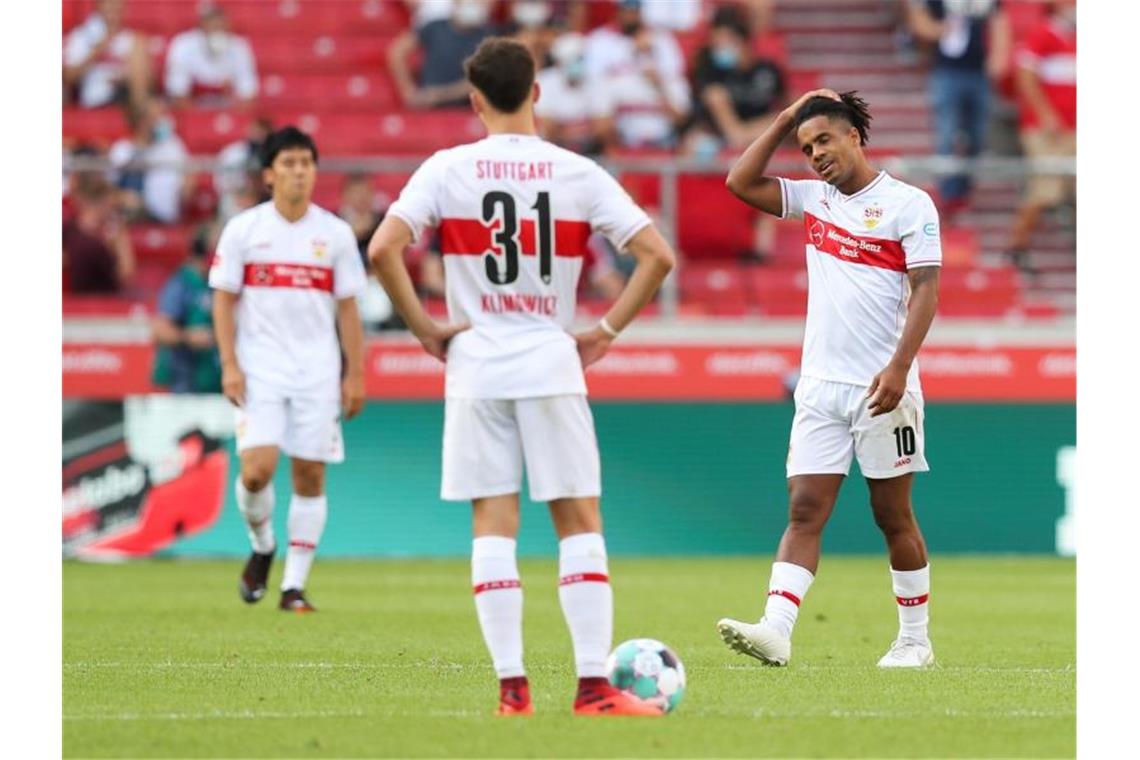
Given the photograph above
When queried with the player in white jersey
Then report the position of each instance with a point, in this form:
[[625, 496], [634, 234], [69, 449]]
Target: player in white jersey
[[514, 214], [285, 277], [873, 258]]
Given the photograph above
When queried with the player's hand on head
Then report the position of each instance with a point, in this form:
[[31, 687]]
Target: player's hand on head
[[352, 395], [592, 345], [887, 389], [824, 92], [438, 336], [233, 385]]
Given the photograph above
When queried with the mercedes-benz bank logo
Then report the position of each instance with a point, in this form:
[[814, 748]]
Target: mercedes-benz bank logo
[[815, 234]]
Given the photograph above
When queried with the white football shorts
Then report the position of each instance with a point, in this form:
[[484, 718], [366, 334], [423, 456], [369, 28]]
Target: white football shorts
[[833, 423], [486, 442], [305, 426]]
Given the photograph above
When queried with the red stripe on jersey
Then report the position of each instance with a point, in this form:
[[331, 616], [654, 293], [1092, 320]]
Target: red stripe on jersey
[[289, 276], [566, 580], [787, 595], [471, 237], [496, 585], [838, 242], [913, 601]]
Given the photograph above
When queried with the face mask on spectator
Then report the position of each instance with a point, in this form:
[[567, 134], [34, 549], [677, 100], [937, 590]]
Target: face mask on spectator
[[470, 14], [162, 130], [575, 70], [530, 13], [725, 57]]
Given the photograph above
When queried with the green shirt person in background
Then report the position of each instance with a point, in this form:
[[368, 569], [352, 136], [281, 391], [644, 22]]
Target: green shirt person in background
[[187, 359]]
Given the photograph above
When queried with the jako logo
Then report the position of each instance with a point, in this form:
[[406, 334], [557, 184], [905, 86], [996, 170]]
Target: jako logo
[[901, 462]]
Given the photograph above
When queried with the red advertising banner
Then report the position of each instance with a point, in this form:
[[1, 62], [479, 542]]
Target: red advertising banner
[[645, 372]]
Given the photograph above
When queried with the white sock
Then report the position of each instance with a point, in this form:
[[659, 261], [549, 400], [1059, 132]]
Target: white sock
[[307, 516], [499, 601], [587, 600], [257, 510], [787, 588], [912, 592]]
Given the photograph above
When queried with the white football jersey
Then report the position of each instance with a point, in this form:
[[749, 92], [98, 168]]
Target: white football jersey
[[514, 213], [859, 248], [290, 276]]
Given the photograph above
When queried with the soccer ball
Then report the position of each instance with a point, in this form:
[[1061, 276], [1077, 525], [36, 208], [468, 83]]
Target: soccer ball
[[649, 670]]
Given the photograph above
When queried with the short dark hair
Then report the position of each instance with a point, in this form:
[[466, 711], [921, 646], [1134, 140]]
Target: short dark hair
[[731, 17], [850, 107], [501, 69], [284, 139]]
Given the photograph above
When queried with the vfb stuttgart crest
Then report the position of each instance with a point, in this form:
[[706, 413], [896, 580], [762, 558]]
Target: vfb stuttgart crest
[[320, 249], [871, 216]]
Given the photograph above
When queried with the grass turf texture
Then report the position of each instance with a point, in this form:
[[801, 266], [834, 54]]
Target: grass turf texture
[[161, 658]]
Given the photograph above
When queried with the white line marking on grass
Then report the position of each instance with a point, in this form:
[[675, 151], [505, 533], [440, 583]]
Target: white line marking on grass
[[760, 713], [271, 665], [936, 668]]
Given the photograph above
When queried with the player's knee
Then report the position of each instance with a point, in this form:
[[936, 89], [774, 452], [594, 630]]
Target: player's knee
[[807, 512], [255, 477], [309, 479], [892, 520]]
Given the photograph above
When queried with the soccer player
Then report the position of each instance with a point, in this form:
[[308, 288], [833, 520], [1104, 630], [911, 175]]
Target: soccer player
[[286, 275], [514, 214], [873, 258]]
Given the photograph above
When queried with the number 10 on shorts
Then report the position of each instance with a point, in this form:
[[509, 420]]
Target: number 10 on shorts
[[905, 441]]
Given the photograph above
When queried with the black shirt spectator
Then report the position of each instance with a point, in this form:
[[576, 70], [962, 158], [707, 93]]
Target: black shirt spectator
[[445, 44]]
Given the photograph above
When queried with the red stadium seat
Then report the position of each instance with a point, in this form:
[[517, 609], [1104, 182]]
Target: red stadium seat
[[334, 93], [165, 245], [320, 54], [717, 288], [100, 126]]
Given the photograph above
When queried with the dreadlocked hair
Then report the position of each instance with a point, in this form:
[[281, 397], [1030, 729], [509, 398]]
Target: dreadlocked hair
[[850, 107]]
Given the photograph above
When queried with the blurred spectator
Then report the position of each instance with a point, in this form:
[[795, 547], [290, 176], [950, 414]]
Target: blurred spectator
[[1047, 86], [444, 43], [150, 164], [358, 208], [97, 252], [107, 63], [621, 46], [74, 180], [972, 41], [678, 15], [533, 24], [601, 278], [239, 168], [640, 73], [570, 110], [738, 93], [186, 360], [423, 12], [210, 65]]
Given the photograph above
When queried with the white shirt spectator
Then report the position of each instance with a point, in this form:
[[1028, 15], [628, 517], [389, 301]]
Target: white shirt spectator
[[162, 181], [637, 108], [210, 63], [609, 52], [97, 88], [679, 15], [572, 106]]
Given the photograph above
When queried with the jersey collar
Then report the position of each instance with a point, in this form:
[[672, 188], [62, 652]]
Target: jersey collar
[[882, 174]]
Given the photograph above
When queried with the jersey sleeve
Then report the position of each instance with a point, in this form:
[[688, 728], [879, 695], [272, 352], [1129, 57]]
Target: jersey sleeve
[[349, 277], [418, 204], [919, 233], [793, 193], [612, 212], [227, 271]]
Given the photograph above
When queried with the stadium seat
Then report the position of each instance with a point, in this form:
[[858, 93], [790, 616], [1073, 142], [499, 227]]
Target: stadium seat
[[161, 244], [335, 93], [717, 288]]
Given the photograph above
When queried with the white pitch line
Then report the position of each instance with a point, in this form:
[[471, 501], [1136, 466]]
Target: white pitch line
[[757, 714], [460, 666]]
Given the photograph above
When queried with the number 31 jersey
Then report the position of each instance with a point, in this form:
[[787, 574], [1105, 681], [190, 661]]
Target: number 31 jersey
[[514, 214]]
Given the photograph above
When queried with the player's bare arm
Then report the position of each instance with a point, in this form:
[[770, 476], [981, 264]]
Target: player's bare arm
[[351, 333], [655, 259], [225, 331], [888, 387], [746, 179], [386, 254]]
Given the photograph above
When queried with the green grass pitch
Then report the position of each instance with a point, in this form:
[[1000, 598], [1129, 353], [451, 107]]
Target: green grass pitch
[[162, 659]]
